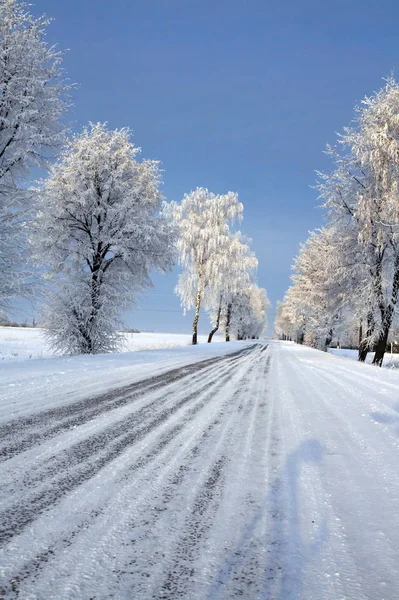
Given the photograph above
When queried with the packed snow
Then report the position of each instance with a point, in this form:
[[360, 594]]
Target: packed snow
[[250, 469]]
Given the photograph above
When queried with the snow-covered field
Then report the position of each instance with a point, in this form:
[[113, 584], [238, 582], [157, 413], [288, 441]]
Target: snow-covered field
[[18, 343], [222, 471]]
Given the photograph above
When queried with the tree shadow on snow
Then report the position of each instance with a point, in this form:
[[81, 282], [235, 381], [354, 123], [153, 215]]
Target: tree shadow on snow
[[281, 557]]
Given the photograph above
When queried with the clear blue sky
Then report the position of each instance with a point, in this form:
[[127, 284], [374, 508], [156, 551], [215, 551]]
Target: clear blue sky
[[230, 95]]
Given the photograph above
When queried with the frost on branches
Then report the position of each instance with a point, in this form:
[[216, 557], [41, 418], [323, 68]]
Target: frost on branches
[[32, 103], [362, 199], [247, 313], [202, 221], [234, 269], [218, 266], [100, 230], [317, 308]]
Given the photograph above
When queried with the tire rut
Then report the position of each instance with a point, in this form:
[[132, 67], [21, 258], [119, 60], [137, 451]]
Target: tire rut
[[33, 567], [16, 518], [78, 413], [82, 450], [199, 522]]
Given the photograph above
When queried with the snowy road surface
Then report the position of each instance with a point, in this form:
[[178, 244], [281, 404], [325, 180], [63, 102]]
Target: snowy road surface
[[271, 472]]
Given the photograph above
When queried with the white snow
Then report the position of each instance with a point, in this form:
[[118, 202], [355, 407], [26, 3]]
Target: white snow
[[391, 361], [271, 474], [18, 343], [57, 380]]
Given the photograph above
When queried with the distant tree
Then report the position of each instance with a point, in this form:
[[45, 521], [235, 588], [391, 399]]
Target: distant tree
[[321, 282], [202, 221], [33, 100], [235, 267], [100, 231], [248, 312], [292, 316]]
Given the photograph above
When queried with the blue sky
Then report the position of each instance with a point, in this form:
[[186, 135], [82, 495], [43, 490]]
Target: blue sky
[[230, 95]]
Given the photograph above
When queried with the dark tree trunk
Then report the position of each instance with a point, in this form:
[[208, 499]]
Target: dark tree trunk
[[96, 282], [197, 308], [386, 318], [228, 319], [328, 340], [196, 318], [363, 342], [363, 350], [214, 330], [301, 337], [380, 347]]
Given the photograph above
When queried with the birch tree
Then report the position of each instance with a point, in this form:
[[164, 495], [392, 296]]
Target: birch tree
[[235, 269], [248, 312], [100, 232], [202, 221], [33, 100]]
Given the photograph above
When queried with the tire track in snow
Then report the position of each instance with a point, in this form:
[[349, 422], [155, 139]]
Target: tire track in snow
[[206, 503], [34, 566], [104, 436], [114, 440], [207, 498], [164, 495], [200, 521], [248, 559], [72, 415]]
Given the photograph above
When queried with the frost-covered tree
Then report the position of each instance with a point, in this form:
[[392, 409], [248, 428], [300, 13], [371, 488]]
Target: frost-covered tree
[[248, 312], [349, 272], [100, 231], [33, 99], [292, 317], [202, 221], [317, 306], [234, 270], [363, 189], [281, 323], [321, 282]]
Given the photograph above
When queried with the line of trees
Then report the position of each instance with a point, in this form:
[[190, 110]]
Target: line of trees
[[218, 267], [97, 226], [346, 275]]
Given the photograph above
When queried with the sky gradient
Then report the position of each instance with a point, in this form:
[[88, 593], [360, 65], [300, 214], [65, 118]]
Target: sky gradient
[[230, 95]]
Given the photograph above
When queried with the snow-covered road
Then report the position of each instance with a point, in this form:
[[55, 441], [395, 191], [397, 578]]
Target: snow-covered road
[[271, 472]]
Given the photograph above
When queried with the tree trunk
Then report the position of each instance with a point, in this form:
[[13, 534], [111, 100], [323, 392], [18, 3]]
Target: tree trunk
[[196, 317], [386, 318], [363, 342], [197, 305], [95, 284], [328, 340], [214, 330], [381, 347], [228, 319], [363, 350]]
